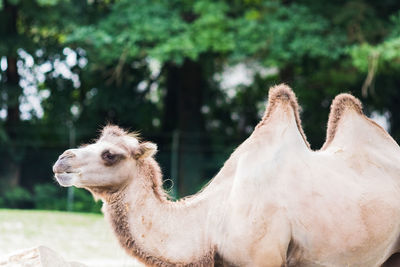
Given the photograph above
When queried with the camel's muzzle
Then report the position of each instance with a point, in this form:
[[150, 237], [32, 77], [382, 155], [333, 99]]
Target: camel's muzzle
[[62, 164], [63, 171]]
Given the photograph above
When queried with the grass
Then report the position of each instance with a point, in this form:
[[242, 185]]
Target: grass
[[82, 237]]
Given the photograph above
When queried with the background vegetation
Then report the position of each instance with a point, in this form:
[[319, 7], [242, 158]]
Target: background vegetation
[[167, 68]]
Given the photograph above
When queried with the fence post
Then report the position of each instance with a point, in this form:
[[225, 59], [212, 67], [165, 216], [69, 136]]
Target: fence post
[[71, 193], [174, 163]]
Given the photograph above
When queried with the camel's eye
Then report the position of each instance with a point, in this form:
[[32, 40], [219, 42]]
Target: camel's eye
[[110, 158]]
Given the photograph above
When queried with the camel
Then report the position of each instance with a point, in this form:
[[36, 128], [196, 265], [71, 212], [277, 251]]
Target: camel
[[275, 202]]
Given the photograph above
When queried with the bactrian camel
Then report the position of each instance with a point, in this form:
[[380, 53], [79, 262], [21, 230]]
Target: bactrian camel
[[275, 202]]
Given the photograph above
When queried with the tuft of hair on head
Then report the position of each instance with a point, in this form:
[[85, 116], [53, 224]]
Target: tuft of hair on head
[[115, 131], [135, 135], [340, 104], [112, 130]]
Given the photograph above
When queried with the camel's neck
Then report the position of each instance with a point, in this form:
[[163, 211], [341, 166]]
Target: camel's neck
[[158, 231]]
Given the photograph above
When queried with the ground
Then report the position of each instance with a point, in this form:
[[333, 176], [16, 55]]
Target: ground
[[76, 236]]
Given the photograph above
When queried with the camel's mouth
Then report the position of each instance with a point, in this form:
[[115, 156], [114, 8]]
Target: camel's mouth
[[66, 178]]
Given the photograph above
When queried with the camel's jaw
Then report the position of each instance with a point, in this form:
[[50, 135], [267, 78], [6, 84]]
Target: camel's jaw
[[67, 178]]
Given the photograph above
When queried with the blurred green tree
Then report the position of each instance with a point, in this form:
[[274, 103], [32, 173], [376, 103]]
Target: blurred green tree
[[306, 42], [32, 35], [163, 66]]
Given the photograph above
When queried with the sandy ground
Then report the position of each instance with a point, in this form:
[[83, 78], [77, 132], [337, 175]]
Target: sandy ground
[[75, 236]]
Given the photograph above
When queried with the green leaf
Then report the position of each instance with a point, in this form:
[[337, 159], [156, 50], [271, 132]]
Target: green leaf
[[47, 2], [14, 2]]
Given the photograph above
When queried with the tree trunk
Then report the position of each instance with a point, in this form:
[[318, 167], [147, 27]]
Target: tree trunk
[[14, 91], [286, 74], [182, 113]]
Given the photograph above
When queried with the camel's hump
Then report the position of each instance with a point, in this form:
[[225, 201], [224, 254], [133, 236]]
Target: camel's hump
[[348, 126], [281, 92], [278, 95], [282, 96], [346, 101], [340, 104]]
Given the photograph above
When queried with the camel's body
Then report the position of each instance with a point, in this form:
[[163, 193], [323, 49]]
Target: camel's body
[[274, 202]]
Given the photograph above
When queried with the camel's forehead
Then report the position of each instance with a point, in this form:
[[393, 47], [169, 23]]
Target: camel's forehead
[[125, 141], [118, 136]]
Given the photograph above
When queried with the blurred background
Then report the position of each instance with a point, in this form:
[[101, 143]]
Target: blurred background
[[192, 76]]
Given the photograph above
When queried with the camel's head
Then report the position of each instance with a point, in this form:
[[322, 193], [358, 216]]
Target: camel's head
[[108, 163]]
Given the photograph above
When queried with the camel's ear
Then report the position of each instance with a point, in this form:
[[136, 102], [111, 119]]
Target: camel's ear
[[146, 149]]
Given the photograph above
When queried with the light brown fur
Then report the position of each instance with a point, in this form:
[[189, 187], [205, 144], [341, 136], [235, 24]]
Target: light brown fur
[[339, 105], [117, 211], [274, 203], [283, 94], [119, 221]]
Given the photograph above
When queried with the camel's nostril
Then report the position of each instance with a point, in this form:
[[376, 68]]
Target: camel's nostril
[[62, 166], [63, 163], [67, 154]]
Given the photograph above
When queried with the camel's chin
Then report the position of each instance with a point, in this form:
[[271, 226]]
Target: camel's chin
[[66, 179]]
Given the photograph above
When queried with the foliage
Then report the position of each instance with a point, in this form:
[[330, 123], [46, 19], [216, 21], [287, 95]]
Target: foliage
[[17, 197], [157, 29], [172, 31], [84, 202], [386, 52], [51, 197], [159, 67]]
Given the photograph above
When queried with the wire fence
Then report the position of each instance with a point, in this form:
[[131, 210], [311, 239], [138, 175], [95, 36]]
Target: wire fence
[[36, 151]]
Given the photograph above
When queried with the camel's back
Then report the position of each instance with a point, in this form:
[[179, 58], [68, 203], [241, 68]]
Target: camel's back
[[344, 207], [339, 206]]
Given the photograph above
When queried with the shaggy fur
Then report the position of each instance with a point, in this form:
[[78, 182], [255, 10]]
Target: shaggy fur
[[149, 168], [112, 131], [339, 105], [283, 94], [116, 209], [119, 220], [275, 226]]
